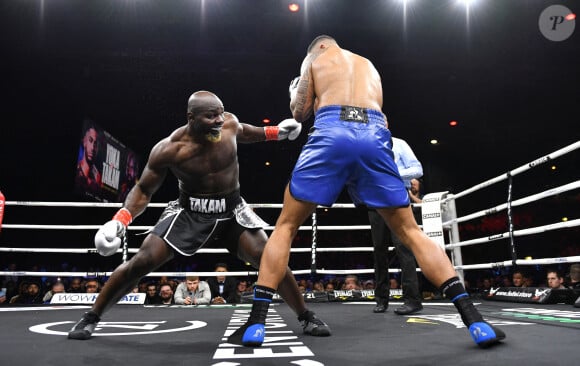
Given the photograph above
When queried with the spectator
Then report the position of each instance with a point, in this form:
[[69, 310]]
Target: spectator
[[555, 279], [506, 281], [75, 286], [319, 286], [518, 279], [329, 287], [192, 292], [166, 295], [92, 286], [56, 288], [222, 288], [529, 281], [241, 288], [574, 276], [151, 295], [19, 298], [143, 285], [486, 284], [351, 283], [31, 295]]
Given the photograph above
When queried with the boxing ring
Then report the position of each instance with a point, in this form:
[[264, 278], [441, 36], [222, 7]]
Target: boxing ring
[[135, 333]]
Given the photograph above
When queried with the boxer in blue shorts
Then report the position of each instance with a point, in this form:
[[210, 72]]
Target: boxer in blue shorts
[[346, 148], [203, 156], [349, 146]]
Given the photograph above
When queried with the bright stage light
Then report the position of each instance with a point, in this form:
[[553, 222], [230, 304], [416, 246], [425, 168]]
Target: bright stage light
[[294, 7]]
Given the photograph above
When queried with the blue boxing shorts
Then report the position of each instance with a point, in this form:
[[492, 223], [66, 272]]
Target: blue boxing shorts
[[352, 147]]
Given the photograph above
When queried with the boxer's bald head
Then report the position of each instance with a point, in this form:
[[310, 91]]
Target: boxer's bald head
[[205, 115], [202, 101]]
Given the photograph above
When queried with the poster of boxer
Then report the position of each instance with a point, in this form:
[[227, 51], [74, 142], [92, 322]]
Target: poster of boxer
[[106, 169]]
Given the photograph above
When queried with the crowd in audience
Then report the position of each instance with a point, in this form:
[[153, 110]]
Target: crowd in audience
[[223, 289]]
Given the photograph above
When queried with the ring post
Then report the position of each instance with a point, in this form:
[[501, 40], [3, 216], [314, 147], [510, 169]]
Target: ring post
[[450, 212]]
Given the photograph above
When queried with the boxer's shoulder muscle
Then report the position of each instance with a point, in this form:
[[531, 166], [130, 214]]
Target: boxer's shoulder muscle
[[173, 149]]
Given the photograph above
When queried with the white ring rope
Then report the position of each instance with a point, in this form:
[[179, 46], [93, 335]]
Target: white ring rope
[[454, 221], [522, 232], [519, 170], [518, 202], [530, 262], [145, 228]]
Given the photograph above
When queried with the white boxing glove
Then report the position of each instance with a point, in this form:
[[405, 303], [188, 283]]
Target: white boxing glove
[[289, 128], [109, 237]]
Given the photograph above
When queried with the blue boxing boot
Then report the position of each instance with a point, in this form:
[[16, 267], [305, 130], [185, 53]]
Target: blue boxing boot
[[483, 333], [249, 335], [253, 332]]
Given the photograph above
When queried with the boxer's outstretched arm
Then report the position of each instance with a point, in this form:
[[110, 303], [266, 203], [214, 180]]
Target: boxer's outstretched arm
[[286, 129]]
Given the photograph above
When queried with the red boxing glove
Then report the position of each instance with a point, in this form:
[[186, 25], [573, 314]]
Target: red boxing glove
[[123, 216]]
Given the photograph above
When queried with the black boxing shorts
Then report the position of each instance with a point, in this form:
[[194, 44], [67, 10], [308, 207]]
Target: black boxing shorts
[[190, 223]]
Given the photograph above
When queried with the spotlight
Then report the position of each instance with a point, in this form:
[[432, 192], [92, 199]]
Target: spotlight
[[293, 7]]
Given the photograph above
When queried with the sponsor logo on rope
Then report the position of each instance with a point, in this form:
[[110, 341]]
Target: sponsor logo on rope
[[491, 211], [495, 237]]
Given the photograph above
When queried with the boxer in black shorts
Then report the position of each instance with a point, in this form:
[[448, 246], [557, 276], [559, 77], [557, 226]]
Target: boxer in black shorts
[[203, 156]]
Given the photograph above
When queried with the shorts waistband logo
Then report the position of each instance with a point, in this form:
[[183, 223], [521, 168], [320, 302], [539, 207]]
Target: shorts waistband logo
[[207, 205], [353, 114]]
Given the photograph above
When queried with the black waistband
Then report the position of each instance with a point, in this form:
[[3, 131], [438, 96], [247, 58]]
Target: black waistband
[[350, 113], [210, 204]]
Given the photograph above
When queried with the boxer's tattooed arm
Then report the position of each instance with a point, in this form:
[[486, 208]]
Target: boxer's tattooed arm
[[302, 103]]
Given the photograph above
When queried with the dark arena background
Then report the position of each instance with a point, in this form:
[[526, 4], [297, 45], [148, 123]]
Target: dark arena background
[[485, 92]]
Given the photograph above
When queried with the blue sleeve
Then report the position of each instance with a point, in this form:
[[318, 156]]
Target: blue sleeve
[[409, 166]]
